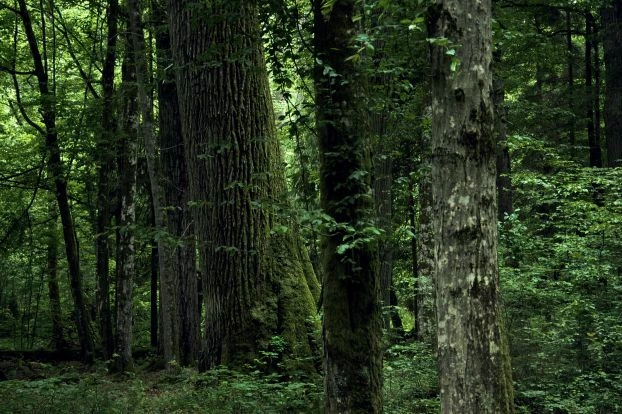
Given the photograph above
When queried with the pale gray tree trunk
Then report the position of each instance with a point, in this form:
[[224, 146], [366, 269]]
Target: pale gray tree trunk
[[472, 363]]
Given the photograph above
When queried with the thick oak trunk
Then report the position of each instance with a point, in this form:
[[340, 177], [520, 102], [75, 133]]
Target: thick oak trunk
[[257, 283]]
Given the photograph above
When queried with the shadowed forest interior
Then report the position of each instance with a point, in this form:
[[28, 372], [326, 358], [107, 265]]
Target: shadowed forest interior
[[311, 206]]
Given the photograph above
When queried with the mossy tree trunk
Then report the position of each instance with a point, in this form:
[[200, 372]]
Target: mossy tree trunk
[[471, 357], [257, 280], [58, 338], [351, 286]]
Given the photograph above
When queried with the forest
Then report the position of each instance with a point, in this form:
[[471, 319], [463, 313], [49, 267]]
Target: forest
[[311, 206]]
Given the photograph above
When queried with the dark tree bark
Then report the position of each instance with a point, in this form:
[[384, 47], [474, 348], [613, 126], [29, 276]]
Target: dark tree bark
[[126, 263], [257, 280], [176, 197], [594, 145], [471, 358], [611, 19], [57, 173], [105, 150], [169, 337], [58, 338], [351, 286]]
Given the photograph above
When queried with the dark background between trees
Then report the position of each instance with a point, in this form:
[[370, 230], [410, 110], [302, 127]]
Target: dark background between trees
[[253, 196]]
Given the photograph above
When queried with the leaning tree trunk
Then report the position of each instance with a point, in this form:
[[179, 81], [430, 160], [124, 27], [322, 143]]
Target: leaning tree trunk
[[174, 171], [472, 364], [126, 263], [611, 19], [57, 173], [351, 286], [257, 283]]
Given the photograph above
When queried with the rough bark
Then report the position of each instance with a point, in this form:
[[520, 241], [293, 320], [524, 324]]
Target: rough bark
[[472, 364], [178, 216], [611, 19], [57, 173], [256, 279], [351, 286], [105, 151], [126, 263]]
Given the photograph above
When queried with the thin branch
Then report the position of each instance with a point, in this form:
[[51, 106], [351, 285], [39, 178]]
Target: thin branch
[[17, 72]]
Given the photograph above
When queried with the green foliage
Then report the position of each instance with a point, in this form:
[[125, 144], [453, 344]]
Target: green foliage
[[410, 379]]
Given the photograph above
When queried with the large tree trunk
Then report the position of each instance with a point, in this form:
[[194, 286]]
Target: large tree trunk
[[126, 263], [611, 19], [471, 360], [57, 173], [351, 286], [179, 221], [105, 150], [257, 283]]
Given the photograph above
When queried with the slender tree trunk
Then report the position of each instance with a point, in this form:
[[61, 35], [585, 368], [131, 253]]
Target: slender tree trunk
[[256, 278], [570, 60], [597, 88], [57, 173], [470, 350], [105, 152], [126, 263], [595, 156], [351, 286], [58, 337], [169, 338], [179, 221], [412, 217], [611, 19]]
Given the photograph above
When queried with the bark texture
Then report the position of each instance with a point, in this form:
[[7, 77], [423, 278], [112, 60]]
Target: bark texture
[[175, 185], [472, 363], [58, 338], [611, 20], [351, 285], [126, 263], [257, 284]]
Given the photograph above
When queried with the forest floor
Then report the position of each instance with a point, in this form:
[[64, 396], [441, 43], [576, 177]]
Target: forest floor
[[46, 386]]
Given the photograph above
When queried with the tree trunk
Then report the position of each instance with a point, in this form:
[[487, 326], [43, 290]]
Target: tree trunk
[[126, 267], [179, 221], [351, 286], [105, 151], [570, 60], [57, 173], [611, 19], [58, 337], [595, 156], [257, 284], [470, 350]]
